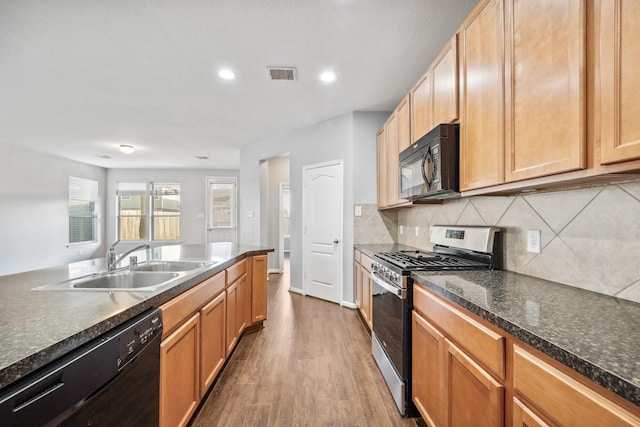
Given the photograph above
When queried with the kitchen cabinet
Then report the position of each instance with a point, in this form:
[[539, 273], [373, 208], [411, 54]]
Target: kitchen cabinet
[[445, 84], [560, 397], [258, 288], [427, 363], [201, 328], [392, 138], [545, 87], [481, 41], [452, 386], [421, 105], [362, 271], [213, 341], [382, 168], [617, 68], [474, 397], [179, 374]]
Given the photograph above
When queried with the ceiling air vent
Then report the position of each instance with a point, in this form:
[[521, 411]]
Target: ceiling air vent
[[282, 73]]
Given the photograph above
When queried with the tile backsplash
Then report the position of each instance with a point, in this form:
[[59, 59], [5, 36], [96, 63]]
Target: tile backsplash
[[590, 237]]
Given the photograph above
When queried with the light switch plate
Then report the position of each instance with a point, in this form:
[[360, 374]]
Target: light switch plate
[[533, 241]]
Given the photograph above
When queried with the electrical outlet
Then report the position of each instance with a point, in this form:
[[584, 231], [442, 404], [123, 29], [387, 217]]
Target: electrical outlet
[[358, 210], [417, 231], [533, 241], [401, 230]]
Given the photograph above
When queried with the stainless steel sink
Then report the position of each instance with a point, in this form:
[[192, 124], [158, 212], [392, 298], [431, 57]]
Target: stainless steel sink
[[123, 280], [172, 266]]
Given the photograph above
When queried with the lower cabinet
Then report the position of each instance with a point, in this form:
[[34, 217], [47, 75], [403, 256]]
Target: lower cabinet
[[474, 397], [448, 387], [362, 272], [179, 374], [258, 288], [563, 399], [213, 347], [201, 327], [459, 376]]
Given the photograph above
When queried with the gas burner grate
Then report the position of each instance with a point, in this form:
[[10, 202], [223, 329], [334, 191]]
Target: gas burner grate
[[428, 261]]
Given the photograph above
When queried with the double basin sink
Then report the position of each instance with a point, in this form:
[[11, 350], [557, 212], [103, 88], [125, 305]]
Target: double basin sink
[[149, 276]]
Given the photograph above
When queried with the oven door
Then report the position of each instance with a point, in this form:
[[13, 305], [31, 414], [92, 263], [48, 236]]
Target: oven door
[[388, 311]]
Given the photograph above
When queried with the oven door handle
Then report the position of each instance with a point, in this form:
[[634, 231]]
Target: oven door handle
[[399, 292]]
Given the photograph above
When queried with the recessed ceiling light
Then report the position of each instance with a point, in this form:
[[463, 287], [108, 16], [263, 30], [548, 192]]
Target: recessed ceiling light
[[128, 149], [328, 76], [226, 74]]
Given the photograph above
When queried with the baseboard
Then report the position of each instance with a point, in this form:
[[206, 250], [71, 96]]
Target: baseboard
[[297, 291], [348, 304], [274, 271]]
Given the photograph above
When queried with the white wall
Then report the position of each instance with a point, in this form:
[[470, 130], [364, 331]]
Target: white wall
[[330, 140], [34, 221], [193, 188], [365, 177]]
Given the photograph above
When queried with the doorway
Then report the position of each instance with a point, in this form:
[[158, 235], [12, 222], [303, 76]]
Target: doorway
[[222, 209], [322, 225]]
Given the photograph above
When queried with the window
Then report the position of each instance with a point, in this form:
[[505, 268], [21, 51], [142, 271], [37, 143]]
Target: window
[[83, 217], [148, 211]]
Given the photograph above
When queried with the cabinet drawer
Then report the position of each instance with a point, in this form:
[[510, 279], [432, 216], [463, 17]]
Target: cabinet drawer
[[486, 346], [236, 271], [365, 261], [564, 399], [177, 310]]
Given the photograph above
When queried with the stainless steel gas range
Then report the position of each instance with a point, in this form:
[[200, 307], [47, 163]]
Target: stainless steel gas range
[[454, 248]]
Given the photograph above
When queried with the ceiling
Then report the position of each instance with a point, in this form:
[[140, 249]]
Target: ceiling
[[78, 78]]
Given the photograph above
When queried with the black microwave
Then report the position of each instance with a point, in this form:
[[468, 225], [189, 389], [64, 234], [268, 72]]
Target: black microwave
[[429, 166]]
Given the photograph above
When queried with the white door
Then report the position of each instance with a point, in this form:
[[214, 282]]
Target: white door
[[322, 228], [222, 209]]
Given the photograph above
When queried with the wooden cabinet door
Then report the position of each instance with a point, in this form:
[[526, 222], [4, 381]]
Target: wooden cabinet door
[[392, 171], [258, 288], [179, 374], [366, 297], [232, 316], [243, 318], [445, 84], [526, 417], [618, 63], [357, 272], [213, 345], [403, 113], [545, 86], [421, 106], [382, 169], [427, 379], [474, 398], [481, 44]]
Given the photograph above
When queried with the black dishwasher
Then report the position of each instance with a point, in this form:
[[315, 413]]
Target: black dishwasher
[[112, 380]]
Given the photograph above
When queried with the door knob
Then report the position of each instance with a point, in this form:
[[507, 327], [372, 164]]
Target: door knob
[[336, 241]]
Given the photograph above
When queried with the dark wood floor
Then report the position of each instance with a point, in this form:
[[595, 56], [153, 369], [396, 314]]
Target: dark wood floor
[[311, 365]]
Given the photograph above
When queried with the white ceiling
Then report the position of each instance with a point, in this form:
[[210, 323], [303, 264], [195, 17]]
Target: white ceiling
[[80, 77]]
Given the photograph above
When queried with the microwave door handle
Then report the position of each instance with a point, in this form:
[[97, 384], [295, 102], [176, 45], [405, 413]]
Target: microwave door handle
[[390, 288], [427, 179]]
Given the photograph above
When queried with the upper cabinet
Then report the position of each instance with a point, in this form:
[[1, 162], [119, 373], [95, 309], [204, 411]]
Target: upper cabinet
[[392, 139], [445, 84], [545, 84], [619, 61], [481, 41], [434, 99]]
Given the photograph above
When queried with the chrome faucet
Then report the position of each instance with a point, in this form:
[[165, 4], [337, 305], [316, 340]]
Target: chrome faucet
[[113, 259]]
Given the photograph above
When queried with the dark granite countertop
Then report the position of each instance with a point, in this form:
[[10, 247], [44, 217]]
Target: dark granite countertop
[[596, 335], [36, 327]]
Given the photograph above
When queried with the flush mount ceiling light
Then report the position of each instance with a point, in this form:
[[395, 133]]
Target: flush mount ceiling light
[[128, 149], [328, 76], [226, 74]]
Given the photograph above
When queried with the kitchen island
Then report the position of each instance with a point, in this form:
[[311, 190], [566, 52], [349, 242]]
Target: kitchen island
[[37, 327]]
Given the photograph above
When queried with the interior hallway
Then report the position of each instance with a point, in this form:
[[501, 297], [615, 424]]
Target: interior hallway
[[310, 365]]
